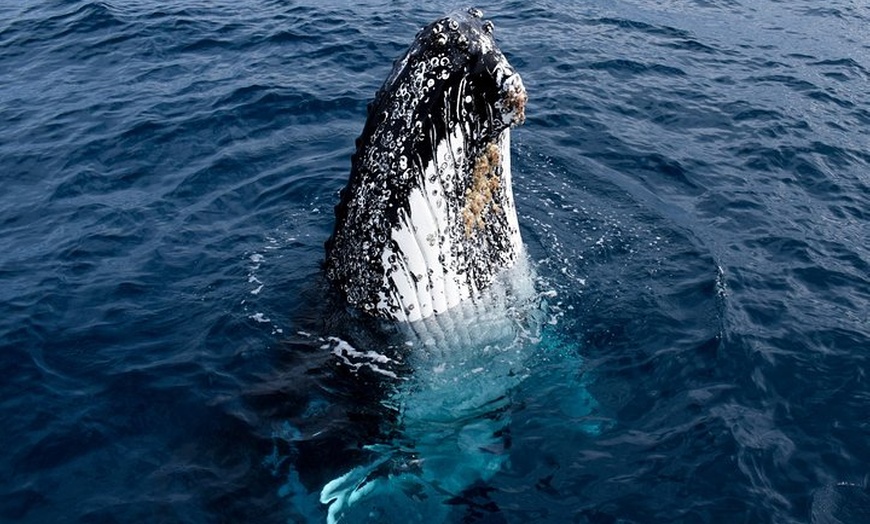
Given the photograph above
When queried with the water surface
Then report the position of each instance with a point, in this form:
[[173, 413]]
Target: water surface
[[692, 182]]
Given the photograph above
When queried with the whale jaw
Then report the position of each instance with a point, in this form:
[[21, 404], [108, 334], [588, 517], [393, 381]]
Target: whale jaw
[[428, 219]]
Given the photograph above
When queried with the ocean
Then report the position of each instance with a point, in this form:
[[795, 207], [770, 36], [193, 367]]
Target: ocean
[[693, 187]]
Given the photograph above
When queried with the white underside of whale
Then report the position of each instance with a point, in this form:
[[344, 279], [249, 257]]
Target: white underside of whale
[[427, 284]]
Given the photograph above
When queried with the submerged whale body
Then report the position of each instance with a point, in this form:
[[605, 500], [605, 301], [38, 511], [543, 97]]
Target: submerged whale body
[[427, 219]]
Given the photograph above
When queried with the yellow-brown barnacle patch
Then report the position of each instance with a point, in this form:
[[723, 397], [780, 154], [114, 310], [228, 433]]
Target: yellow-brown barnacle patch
[[515, 102], [485, 183]]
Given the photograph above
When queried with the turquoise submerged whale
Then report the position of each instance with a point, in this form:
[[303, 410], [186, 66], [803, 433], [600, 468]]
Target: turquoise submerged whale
[[427, 238], [452, 407]]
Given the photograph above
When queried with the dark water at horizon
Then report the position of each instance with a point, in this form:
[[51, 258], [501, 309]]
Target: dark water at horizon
[[693, 181]]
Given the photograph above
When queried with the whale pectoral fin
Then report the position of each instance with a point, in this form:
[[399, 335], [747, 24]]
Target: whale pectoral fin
[[378, 492], [342, 493]]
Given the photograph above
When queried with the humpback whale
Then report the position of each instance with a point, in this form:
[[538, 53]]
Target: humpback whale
[[427, 239], [427, 219]]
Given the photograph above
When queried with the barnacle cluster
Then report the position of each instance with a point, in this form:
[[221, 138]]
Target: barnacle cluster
[[513, 103], [485, 182]]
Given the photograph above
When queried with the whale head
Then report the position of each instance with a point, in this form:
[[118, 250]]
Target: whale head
[[427, 219]]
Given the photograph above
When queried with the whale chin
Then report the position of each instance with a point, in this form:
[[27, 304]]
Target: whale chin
[[427, 219]]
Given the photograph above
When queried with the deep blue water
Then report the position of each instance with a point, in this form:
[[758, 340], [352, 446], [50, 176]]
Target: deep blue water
[[693, 181]]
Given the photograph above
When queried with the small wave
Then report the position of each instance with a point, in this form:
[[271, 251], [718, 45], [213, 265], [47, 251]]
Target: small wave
[[632, 67]]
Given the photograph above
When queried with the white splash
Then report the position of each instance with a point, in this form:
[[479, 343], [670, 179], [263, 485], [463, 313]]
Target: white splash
[[356, 359]]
